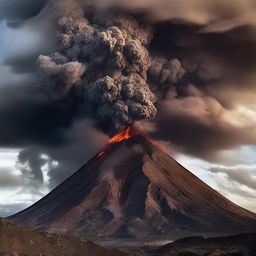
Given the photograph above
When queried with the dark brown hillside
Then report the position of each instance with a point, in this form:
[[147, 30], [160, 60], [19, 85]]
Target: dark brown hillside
[[17, 241]]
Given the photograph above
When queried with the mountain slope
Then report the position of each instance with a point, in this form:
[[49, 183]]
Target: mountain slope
[[134, 189], [18, 241]]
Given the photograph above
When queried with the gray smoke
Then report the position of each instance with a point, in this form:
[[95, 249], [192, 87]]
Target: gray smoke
[[166, 71], [60, 76], [105, 57], [30, 163]]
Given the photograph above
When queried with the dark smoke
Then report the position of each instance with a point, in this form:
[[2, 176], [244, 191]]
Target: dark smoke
[[106, 58]]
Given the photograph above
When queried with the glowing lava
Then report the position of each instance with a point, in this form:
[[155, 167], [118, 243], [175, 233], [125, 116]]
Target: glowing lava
[[124, 135]]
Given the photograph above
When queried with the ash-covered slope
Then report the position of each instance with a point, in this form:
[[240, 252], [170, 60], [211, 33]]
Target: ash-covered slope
[[134, 189]]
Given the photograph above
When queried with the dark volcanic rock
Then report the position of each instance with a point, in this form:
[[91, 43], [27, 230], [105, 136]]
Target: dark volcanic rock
[[17, 241], [237, 245], [135, 190]]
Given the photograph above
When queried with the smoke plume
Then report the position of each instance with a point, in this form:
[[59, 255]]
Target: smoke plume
[[103, 58]]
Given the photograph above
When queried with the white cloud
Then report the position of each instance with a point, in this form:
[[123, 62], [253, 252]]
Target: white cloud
[[236, 181], [8, 157]]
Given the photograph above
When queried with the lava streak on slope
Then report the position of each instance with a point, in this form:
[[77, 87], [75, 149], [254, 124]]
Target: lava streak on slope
[[124, 135]]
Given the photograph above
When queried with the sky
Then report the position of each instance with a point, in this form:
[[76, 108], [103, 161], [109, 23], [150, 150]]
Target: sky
[[185, 77]]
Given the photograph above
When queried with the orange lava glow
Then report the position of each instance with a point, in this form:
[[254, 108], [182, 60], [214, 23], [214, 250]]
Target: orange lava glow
[[124, 135]]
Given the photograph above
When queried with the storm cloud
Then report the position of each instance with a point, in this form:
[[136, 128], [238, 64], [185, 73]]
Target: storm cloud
[[214, 15], [16, 11]]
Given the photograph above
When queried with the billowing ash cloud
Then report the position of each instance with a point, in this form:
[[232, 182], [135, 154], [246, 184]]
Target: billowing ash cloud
[[104, 58]]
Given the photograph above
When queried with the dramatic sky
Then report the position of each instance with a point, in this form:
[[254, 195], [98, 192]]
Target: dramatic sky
[[74, 72]]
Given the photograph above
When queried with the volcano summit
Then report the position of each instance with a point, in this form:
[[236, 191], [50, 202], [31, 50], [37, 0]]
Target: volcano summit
[[134, 189]]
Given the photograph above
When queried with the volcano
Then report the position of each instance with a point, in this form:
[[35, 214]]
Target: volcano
[[133, 189]]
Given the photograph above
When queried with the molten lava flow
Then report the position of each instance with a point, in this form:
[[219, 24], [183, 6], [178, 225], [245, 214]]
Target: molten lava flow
[[123, 135]]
